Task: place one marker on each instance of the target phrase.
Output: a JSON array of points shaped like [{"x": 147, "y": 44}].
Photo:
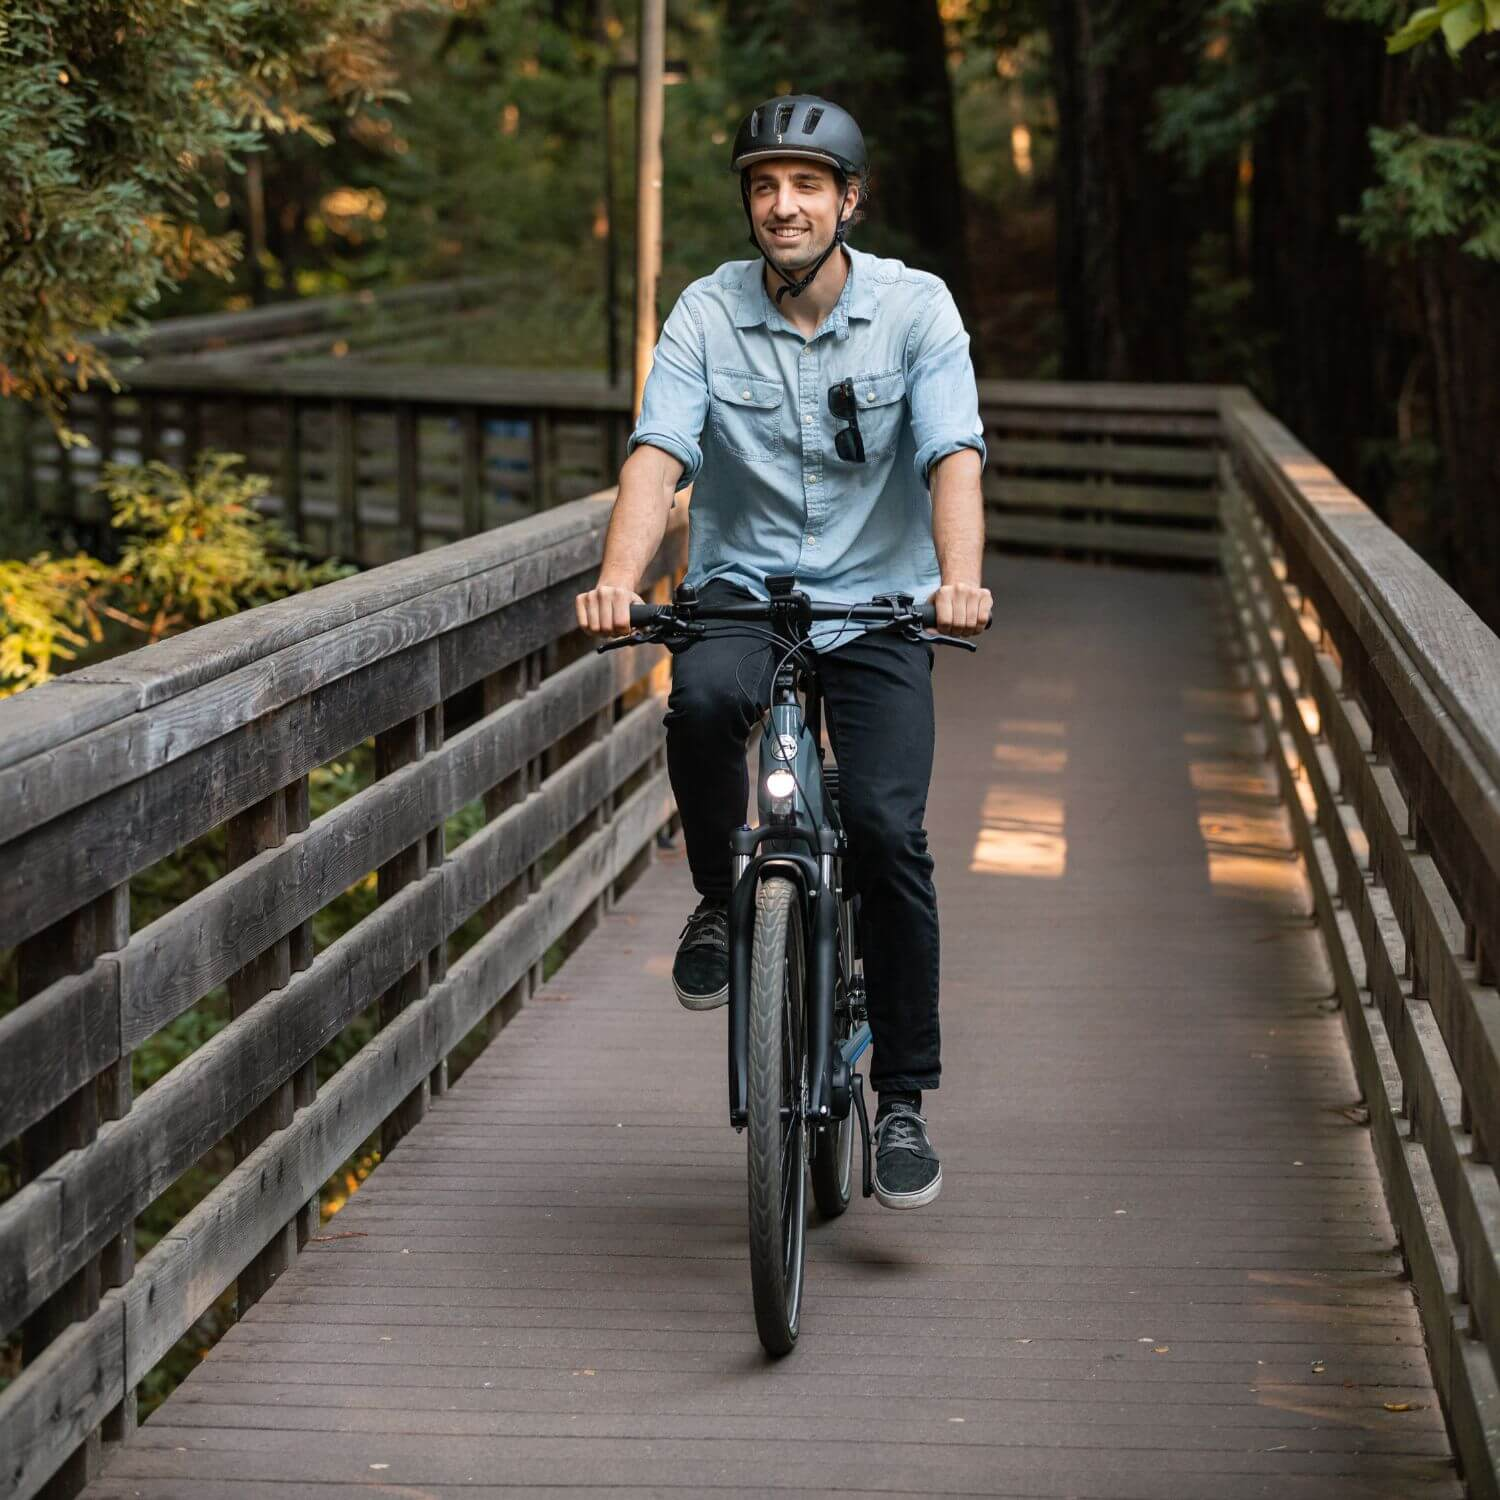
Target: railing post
[
  {"x": 291, "y": 466},
  {"x": 408, "y": 507},
  {"x": 346, "y": 530},
  {"x": 396, "y": 747},
  {"x": 263, "y": 825},
  {"x": 300, "y": 956},
  {"x": 70, "y": 946},
  {"x": 471, "y": 469}
]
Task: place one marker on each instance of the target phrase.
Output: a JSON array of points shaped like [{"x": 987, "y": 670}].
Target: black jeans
[{"x": 877, "y": 700}]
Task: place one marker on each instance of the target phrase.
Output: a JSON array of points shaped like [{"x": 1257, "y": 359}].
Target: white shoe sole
[
  {"x": 701, "y": 1002},
  {"x": 910, "y": 1200}
]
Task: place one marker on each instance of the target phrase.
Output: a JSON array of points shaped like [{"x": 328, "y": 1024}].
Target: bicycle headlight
[{"x": 781, "y": 786}]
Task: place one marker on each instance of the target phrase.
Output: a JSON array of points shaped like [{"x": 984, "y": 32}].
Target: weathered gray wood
[
  {"x": 1101, "y": 396},
  {"x": 1126, "y": 499},
  {"x": 98, "y": 844},
  {"x": 407, "y": 462},
  {"x": 92, "y": 764},
  {"x": 1239, "y": 1224},
  {"x": 1102, "y": 536},
  {"x": 49, "y": 1410},
  {"x": 1404, "y": 1069},
  {"x": 1103, "y": 458},
  {"x": 179, "y": 1279},
  {"x": 182, "y": 955},
  {"x": 56, "y": 1042},
  {"x": 209, "y": 1093}
]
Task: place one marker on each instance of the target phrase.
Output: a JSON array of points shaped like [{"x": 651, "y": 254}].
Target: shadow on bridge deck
[{"x": 1161, "y": 1265}]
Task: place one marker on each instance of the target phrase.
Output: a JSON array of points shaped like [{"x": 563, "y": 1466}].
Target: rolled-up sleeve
[
  {"x": 940, "y": 389},
  {"x": 674, "y": 404}
]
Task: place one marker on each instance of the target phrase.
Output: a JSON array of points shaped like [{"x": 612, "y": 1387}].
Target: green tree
[{"x": 116, "y": 115}]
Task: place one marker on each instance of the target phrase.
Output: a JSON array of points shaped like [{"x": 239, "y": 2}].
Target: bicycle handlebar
[{"x": 644, "y": 616}]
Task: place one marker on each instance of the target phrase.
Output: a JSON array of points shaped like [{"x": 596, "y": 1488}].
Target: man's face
[{"x": 795, "y": 208}]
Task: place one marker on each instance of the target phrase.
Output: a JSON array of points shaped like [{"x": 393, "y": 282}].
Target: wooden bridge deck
[{"x": 1161, "y": 1265}]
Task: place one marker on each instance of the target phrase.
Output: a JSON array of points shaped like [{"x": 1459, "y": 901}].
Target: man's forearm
[
  {"x": 648, "y": 481},
  {"x": 958, "y": 516}
]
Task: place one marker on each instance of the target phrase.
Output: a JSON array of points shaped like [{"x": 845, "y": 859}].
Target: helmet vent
[
  {"x": 754, "y": 122},
  {"x": 783, "y": 118},
  {"x": 810, "y": 124}
]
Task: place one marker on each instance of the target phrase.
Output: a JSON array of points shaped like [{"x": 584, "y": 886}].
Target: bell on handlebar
[{"x": 686, "y": 596}]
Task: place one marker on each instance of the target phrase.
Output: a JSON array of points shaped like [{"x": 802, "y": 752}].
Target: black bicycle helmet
[{"x": 805, "y": 126}]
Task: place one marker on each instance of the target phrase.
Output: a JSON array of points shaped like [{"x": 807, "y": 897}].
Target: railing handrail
[{"x": 1452, "y": 650}]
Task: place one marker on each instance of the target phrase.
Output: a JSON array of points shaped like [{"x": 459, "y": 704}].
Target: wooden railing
[
  {"x": 1380, "y": 690},
  {"x": 463, "y": 669},
  {"x": 373, "y": 461}
]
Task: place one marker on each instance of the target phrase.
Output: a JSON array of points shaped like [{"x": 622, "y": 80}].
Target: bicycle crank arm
[{"x": 857, "y": 1089}]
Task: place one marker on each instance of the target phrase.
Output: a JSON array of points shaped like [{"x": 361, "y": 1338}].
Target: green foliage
[
  {"x": 1436, "y": 186},
  {"x": 195, "y": 549},
  {"x": 45, "y": 611},
  {"x": 115, "y": 115},
  {"x": 1459, "y": 22}
]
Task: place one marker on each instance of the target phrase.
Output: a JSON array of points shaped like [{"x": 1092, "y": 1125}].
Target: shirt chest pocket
[
  {"x": 880, "y": 400},
  {"x": 747, "y": 414}
]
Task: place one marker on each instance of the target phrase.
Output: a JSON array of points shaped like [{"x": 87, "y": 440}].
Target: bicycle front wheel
[{"x": 776, "y": 1130}]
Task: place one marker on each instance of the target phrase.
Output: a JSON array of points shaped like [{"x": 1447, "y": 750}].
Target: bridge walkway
[{"x": 1161, "y": 1267}]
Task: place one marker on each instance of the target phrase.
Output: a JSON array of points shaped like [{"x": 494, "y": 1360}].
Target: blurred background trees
[{"x": 1226, "y": 190}]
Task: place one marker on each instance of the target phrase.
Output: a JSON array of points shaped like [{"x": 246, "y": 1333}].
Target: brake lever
[
  {"x": 949, "y": 640},
  {"x": 616, "y": 642}
]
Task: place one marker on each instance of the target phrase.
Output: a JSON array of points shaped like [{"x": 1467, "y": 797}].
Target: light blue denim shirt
[{"x": 741, "y": 399}]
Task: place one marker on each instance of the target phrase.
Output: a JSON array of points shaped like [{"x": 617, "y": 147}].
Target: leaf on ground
[
  {"x": 1162, "y": 1349},
  {"x": 1403, "y": 1406}
]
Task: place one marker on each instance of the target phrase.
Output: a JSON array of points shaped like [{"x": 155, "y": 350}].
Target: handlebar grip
[
  {"x": 642, "y": 615},
  {"x": 927, "y": 613}
]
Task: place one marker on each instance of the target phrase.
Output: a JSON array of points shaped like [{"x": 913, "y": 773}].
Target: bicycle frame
[{"x": 806, "y": 844}]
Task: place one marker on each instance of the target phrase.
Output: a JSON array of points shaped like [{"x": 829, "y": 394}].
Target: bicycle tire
[
  {"x": 776, "y": 1147},
  {"x": 833, "y": 1148}
]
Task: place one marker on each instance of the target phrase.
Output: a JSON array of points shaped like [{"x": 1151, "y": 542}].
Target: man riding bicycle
[{"x": 822, "y": 403}]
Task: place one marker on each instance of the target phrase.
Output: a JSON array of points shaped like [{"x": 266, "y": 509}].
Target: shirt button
[
  {"x": 812, "y": 541},
  {"x": 812, "y": 478},
  {"x": 869, "y": 395},
  {"x": 807, "y": 421},
  {"x": 806, "y": 350},
  {"x": 745, "y": 394}
]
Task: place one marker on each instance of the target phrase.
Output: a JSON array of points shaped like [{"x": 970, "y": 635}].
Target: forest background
[{"x": 1247, "y": 191}]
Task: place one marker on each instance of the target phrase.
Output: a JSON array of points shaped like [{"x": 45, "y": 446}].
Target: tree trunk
[
  {"x": 1125, "y": 225},
  {"x": 1312, "y": 285},
  {"x": 1461, "y": 311}
]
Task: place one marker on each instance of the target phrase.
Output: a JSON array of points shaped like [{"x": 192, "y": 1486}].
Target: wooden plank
[
  {"x": 1435, "y": 658},
  {"x": 1124, "y": 499},
  {"x": 1101, "y": 395},
  {"x": 91, "y": 847},
  {"x": 1104, "y": 458},
  {"x": 55, "y": 1042},
  {"x": 92, "y": 765},
  {"x": 362, "y": 385},
  {"x": 1468, "y": 1387},
  {"x": 205, "y": 1096},
  {"x": 50, "y": 1408},
  {"x": 185, "y": 953},
  {"x": 1013, "y": 419},
  {"x": 179, "y": 1278},
  {"x": 291, "y": 466},
  {"x": 1102, "y": 536}
]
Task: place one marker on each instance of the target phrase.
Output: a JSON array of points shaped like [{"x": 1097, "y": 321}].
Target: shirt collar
[{"x": 856, "y": 301}]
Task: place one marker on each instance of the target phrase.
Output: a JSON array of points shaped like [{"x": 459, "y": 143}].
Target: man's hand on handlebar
[
  {"x": 605, "y": 609},
  {"x": 963, "y": 609}
]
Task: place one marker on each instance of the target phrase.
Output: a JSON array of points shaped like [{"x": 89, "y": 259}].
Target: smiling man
[{"x": 822, "y": 403}]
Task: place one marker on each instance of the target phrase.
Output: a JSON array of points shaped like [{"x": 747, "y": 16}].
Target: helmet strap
[{"x": 796, "y": 287}]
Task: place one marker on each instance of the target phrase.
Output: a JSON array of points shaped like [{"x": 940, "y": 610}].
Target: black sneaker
[
  {"x": 907, "y": 1173},
  {"x": 700, "y": 973}
]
